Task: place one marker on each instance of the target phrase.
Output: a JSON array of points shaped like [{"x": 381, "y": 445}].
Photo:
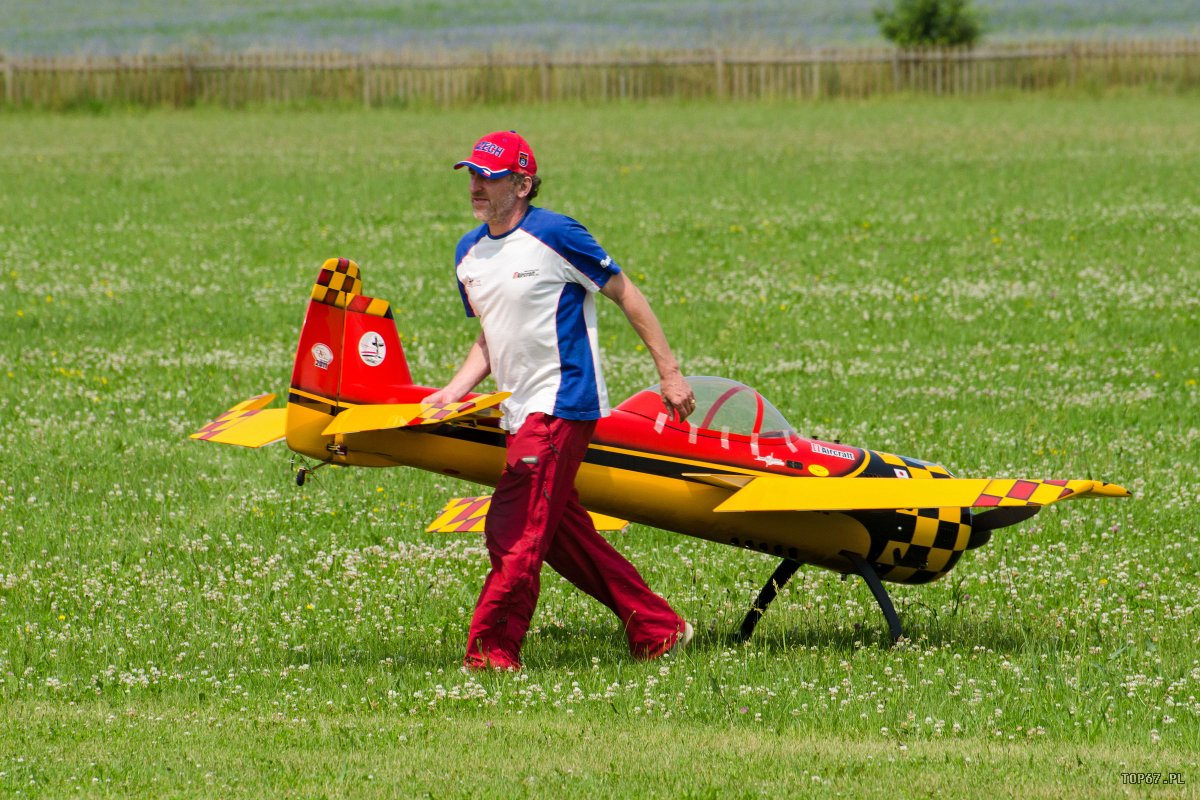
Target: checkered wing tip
[
  {"x": 248, "y": 424},
  {"x": 468, "y": 514}
]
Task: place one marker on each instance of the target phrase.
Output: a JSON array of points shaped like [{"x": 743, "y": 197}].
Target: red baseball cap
[{"x": 500, "y": 153}]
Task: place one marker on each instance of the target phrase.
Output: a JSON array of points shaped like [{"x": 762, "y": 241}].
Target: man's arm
[
  {"x": 676, "y": 394},
  {"x": 474, "y": 369}
]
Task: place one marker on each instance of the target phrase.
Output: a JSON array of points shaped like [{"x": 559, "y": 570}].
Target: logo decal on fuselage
[
  {"x": 372, "y": 349},
  {"x": 829, "y": 451},
  {"x": 322, "y": 355}
]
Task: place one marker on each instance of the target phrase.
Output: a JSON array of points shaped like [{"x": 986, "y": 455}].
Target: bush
[{"x": 942, "y": 23}]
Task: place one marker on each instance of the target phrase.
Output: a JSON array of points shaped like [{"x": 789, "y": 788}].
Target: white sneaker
[{"x": 684, "y": 639}]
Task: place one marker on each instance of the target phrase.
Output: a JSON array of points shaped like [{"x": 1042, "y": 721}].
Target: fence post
[
  {"x": 189, "y": 83},
  {"x": 365, "y": 69},
  {"x": 10, "y": 75},
  {"x": 719, "y": 72}
]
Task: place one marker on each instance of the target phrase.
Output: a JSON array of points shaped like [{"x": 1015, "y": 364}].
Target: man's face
[{"x": 493, "y": 200}]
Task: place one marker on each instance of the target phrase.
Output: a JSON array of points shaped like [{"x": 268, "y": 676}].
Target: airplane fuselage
[{"x": 670, "y": 475}]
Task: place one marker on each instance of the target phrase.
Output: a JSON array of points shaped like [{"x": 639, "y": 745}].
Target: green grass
[{"x": 1006, "y": 286}]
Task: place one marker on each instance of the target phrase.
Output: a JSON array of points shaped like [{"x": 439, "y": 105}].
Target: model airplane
[{"x": 734, "y": 473}]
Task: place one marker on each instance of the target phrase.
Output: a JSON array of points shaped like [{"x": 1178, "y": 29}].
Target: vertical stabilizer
[
  {"x": 318, "y": 366},
  {"x": 349, "y": 354},
  {"x": 374, "y": 369}
]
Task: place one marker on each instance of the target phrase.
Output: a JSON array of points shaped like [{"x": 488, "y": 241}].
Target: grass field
[
  {"x": 1007, "y": 286},
  {"x": 137, "y": 26}
]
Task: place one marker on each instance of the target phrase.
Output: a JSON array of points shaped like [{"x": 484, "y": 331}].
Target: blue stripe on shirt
[
  {"x": 460, "y": 252},
  {"x": 577, "y": 395}
]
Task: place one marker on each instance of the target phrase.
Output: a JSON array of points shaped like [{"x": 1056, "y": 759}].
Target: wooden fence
[{"x": 396, "y": 79}]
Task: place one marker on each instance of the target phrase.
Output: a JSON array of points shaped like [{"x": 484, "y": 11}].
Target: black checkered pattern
[
  {"x": 917, "y": 545},
  {"x": 338, "y": 283}
]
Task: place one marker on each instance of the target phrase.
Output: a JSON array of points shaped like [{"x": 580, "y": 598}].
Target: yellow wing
[
  {"x": 248, "y": 424},
  {"x": 772, "y": 493},
  {"x": 386, "y": 416},
  {"x": 466, "y": 515}
]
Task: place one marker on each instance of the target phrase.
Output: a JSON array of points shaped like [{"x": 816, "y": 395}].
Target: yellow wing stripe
[
  {"x": 402, "y": 415},
  {"x": 468, "y": 515},
  {"x": 780, "y": 493}
]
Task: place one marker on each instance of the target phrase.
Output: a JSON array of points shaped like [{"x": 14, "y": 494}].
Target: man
[{"x": 529, "y": 274}]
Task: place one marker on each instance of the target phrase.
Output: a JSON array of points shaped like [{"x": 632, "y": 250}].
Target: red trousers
[{"x": 535, "y": 517}]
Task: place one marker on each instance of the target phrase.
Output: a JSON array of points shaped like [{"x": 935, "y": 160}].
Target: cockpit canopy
[{"x": 721, "y": 405}]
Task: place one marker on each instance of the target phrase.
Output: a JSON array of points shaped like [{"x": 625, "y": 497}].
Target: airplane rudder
[
  {"x": 374, "y": 369},
  {"x": 349, "y": 347},
  {"x": 317, "y": 371},
  {"x": 317, "y": 368}
]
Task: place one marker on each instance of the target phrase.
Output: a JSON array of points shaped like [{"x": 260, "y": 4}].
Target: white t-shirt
[{"x": 532, "y": 289}]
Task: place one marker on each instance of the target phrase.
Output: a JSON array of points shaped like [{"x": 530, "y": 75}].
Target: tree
[{"x": 941, "y": 23}]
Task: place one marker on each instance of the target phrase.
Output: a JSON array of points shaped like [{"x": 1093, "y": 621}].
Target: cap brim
[{"x": 482, "y": 170}]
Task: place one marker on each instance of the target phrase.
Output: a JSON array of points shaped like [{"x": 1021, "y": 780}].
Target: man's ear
[{"x": 525, "y": 187}]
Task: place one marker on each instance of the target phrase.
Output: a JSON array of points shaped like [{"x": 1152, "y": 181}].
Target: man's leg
[
  {"x": 586, "y": 559},
  {"x": 539, "y": 477}
]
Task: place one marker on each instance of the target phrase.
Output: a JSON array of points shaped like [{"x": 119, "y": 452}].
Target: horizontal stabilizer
[
  {"x": 388, "y": 416},
  {"x": 781, "y": 493},
  {"x": 248, "y": 424},
  {"x": 467, "y": 514}
]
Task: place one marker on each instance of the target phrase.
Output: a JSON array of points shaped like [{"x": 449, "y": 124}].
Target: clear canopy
[{"x": 723, "y": 404}]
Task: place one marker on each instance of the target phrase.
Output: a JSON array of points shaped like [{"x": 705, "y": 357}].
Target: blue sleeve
[
  {"x": 465, "y": 301},
  {"x": 575, "y": 244},
  {"x": 460, "y": 252}
]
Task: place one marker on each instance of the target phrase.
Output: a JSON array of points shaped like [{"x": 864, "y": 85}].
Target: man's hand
[
  {"x": 677, "y": 397},
  {"x": 441, "y": 397},
  {"x": 475, "y": 368}
]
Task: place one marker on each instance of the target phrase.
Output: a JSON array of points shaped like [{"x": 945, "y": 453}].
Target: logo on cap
[
  {"x": 499, "y": 153},
  {"x": 491, "y": 149}
]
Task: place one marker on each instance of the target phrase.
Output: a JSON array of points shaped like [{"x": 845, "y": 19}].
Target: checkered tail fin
[{"x": 349, "y": 351}]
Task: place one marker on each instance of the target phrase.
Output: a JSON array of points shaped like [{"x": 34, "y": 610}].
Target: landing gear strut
[
  {"x": 881, "y": 596},
  {"x": 783, "y": 573},
  {"x": 303, "y": 473},
  {"x": 779, "y": 578}
]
